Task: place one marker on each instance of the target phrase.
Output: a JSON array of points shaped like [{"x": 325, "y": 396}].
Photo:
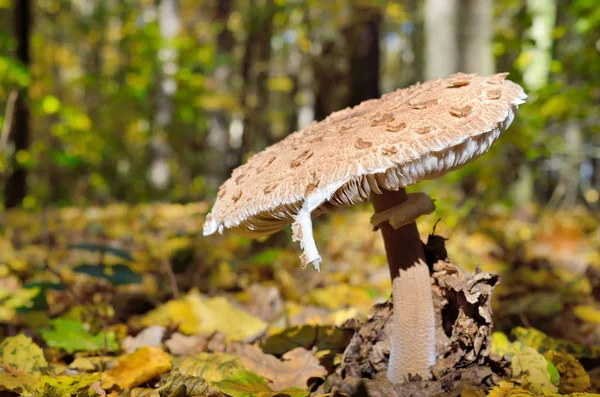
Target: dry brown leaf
[
  {"x": 573, "y": 377},
  {"x": 151, "y": 336},
  {"x": 294, "y": 369},
  {"x": 183, "y": 345}
]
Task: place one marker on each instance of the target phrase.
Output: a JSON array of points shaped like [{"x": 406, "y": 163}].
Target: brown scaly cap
[{"x": 421, "y": 132}]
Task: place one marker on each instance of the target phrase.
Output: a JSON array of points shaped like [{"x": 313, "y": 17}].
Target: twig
[
  {"x": 8, "y": 116},
  {"x": 172, "y": 278}
]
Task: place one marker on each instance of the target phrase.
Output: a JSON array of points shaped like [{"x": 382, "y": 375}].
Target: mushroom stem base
[
  {"x": 413, "y": 325},
  {"x": 413, "y": 331}
]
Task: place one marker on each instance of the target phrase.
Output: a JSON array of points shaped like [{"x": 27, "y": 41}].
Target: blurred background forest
[
  {"x": 142, "y": 100},
  {"x": 114, "y": 112}
]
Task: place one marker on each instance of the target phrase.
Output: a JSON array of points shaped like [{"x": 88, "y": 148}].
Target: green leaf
[
  {"x": 50, "y": 104},
  {"x": 553, "y": 371},
  {"x": 103, "y": 249},
  {"x": 21, "y": 353},
  {"x": 116, "y": 274},
  {"x": 71, "y": 336},
  {"x": 248, "y": 384}
]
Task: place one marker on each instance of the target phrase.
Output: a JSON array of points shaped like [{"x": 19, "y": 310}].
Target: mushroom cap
[{"x": 420, "y": 132}]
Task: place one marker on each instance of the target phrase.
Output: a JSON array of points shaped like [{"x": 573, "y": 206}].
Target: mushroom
[{"x": 372, "y": 152}]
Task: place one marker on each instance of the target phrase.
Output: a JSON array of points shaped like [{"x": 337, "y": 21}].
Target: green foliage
[
  {"x": 71, "y": 336},
  {"x": 95, "y": 82},
  {"x": 116, "y": 274},
  {"x": 247, "y": 384}
]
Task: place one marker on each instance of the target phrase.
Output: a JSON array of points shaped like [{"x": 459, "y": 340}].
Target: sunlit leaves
[
  {"x": 136, "y": 368},
  {"x": 71, "y": 336},
  {"x": 22, "y": 354},
  {"x": 50, "y": 104}
]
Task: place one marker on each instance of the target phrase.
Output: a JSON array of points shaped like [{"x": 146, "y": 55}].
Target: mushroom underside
[{"x": 357, "y": 189}]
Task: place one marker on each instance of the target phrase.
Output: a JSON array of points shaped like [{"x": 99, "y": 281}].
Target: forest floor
[{"x": 133, "y": 300}]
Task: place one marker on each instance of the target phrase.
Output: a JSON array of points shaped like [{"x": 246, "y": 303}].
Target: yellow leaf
[
  {"x": 502, "y": 346},
  {"x": 22, "y": 354},
  {"x": 534, "y": 367},
  {"x": 136, "y": 368},
  {"x": 341, "y": 295},
  {"x": 176, "y": 311},
  {"x": 214, "y": 367},
  {"x": 10, "y": 301},
  {"x": 16, "y": 383},
  {"x": 573, "y": 377},
  {"x": 218, "y": 314},
  {"x": 91, "y": 364},
  {"x": 63, "y": 385},
  {"x": 587, "y": 313},
  {"x": 542, "y": 343},
  {"x": 509, "y": 389}
]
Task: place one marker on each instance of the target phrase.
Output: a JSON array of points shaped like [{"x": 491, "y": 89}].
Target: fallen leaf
[
  {"x": 151, "y": 336},
  {"x": 91, "y": 364},
  {"x": 177, "y": 311},
  {"x": 22, "y": 354},
  {"x": 573, "y": 377},
  {"x": 308, "y": 336},
  {"x": 543, "y": 343},
  {"x": 587, "y": 313},
  {"x": 64, "y": 385},
  {"x": 264, "y": 302},
  {"x": 509, "y": 389},
  {"x": 248, "y": 384},
  {"x": 175, "y": 383},
  {"x": 294, "y": 369},
  {"x": 10, "y": 301},
  {"x": 196, "y": 314},
  {"x": 218, "y": 314},
  {"x": 71, "y": 336},
  {"x": 501, "y": 346},
  {"x": 213, "y": 367},
  {"x": 341, "y": 295},
  {"x": 181, "y": 345},
  {"x": 136, "y": 368},
  {"x": 534, "y": 368},
  {"x": 16, "y": 383}
]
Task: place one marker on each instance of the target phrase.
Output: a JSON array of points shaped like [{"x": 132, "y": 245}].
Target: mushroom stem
[{"x": 413, "y": 329}]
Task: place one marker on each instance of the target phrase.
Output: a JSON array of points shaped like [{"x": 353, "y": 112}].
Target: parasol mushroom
[{"x": 372, "y": 152}]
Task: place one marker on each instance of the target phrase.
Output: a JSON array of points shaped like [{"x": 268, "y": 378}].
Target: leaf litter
[{"x": 102, "y": 317}]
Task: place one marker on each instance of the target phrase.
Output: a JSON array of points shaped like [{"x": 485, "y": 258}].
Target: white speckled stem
[{"x": 413, "y": 328}]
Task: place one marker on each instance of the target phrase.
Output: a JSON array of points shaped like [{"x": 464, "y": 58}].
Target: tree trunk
[
  {"x": 416, "y": 72},
  {"x": 363, "y": 40},
  {"x": 540, "y": 42},
  {"x": 169, "y": 24},
  {"x": 255, "y": 73},
  {"x": 458, "y": 37},
  {"x": 441, "y": 38},
  {"x": 16, "y": 187},
  {"x": 220, "y": 159},
  {"x": 476, "y": 29}
]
